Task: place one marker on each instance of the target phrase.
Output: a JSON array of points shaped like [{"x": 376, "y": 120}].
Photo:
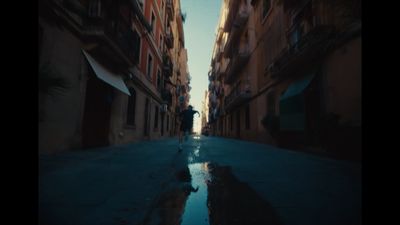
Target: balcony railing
[
  {"x": 239, "y": 94},
  {"x": 119, "y": 44},
  {"x": 222, "y": 70},
  {"x": 233, "y": 7},
  {"x": 166, "y": 96},
  {"x": 220, "y": 52},
  {"x": 303, "y": 49},
  {"x": 220, "y": 33},
  {"x": 211, "y": 76},
  {"x": 236, "y": 31},
  {"x": 121, "y": 40},
  {"x": 167, "y": 65},
  {"x": 236, "y": 64},
  {"x": 216, "y": 68}
]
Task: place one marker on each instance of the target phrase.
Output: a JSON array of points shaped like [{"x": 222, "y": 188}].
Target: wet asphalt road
[{"x": 120, "y": 184}]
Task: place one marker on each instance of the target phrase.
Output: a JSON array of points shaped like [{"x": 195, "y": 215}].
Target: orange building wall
[{"x": 146, "y": 39}]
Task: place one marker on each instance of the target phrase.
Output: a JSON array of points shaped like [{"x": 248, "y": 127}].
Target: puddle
[
  {"x": 206, "y": 193},
  {"x": 196, "y": 210}
]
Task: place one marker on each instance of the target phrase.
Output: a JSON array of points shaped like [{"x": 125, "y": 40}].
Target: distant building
[
  {"x": 204, "y": 111},
  {"x": 289, "y": 73},
  {"x": 118, "y": 62}
]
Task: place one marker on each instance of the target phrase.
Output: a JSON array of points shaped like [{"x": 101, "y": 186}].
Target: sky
[{"x": 199, "y": 30}]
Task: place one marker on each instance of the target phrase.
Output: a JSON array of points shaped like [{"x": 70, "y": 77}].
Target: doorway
[
  {"x": 313, "y": 109},
  {"x": 97, "y": 112},
  {"x": 146, "y": 118},
  {"x": 162, "y": 123}
]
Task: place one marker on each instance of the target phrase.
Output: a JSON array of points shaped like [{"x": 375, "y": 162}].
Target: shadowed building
[
  {"x": 107, "y": 71},
  {"x": 290, "y": 72}
]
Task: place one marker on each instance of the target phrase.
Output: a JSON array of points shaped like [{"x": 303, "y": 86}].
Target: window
[
  {"x": 161, "y": 43},
  {"x": 153, "y": 23},
  {"x": 131, "y": 107},
  {"x": 149, "y": 65},
  {"x": 136, "y": 46},
  {"x": 247, "y": 122},
  {"x": 156, "y": 118},
  {"x": 159, "y": 80},
  {"x": 266, "y": 7}
]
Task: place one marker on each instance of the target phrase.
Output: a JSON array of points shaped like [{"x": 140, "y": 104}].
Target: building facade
[
  {"x": 292, "y": 75},
  {"x": 204, "y": 113},
  {"x": 107, "y": 71}
]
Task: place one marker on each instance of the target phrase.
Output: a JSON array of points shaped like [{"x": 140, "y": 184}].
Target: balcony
[
  {"x": 236, "y": 64},
  {"x": 167, "y": 65},
  {"x": 170, "y": 10},
  {"x": 183, "y": 89},
  {"x": 211, "y": 76},
  {"x": 239, "y": 94},
  {"x": 294, "y": 4},
  {"x": 166, "y": 96},
  {"x": 220, "y": 33},
  {"x": 236, "y": 31},
  {"x": 233, "y": 7},
  {"x": 117, "y": 43},
  {"x": 220, "y": 52},
  {"x": 102, "y": 24},
  {"x": 216, "y": 69},
  {"x": 304, "y": 49},
  {"x": 222, "y": 70}
]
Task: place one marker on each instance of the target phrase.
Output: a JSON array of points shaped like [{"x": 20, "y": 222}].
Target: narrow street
[
  {"x": 148, "y": 183},
  {"x": 273, "y": 87}
]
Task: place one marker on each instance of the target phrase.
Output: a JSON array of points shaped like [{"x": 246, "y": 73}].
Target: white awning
[{"x": 107, "y": 76}]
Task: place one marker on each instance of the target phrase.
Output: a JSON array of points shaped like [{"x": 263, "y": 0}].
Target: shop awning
[
  {"x": 297, "y": 87},
  {"x": 107, "y": 76},
  {"x": 291, "y": 105}
]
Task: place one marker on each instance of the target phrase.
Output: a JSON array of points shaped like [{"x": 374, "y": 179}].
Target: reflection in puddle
[
  {"x": 209, "y": 194},
  {"x": 196, "y": 210},
  {"x": 195, "y": 154}
]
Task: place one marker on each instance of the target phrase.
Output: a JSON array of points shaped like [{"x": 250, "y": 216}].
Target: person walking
[{"x": 186, "y": 118}]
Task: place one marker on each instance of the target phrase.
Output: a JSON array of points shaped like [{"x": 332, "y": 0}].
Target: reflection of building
[
  {"x": 290, "y": 72},
  {"x": 118, "y": 61},
  {"x": 204, "y": 111}
]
